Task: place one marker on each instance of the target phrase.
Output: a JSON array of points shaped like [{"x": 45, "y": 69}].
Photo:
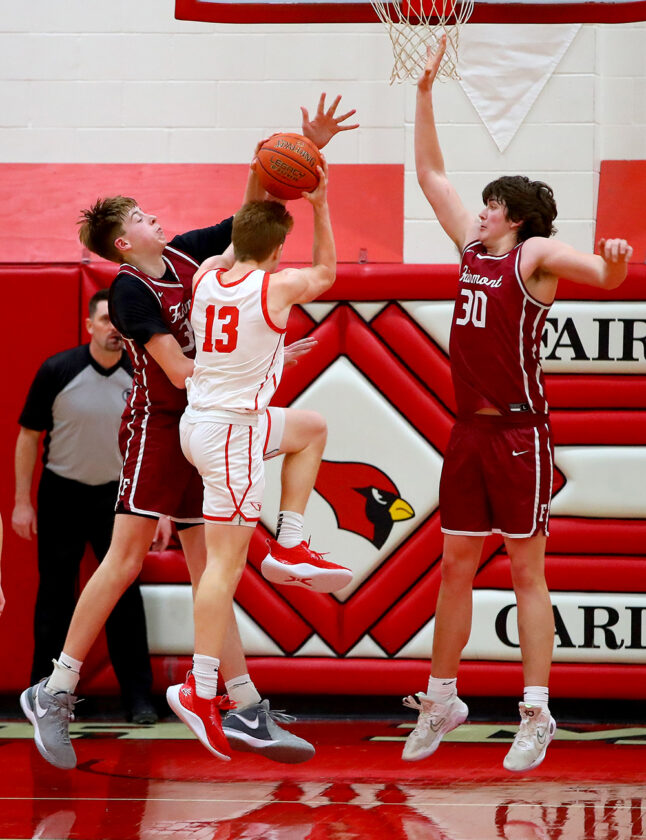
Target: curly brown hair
[{"x": 529, "y": 202}]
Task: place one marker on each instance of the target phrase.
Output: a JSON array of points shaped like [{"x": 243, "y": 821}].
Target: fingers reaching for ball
[{"x": 318, "y": 195}]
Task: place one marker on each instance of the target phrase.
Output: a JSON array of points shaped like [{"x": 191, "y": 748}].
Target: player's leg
[
  {"x": 440, "y": 709},
  {"x": 466, "y": 521},
  {"x": 251, "y": 726},
  {"x": 520, "y": 505},
  {"x": 195, "y": 702},
  {"x": 536, "y": 637},
  {"x": 60, "y": 551},
  {"x": 301, "y": 436},
  {"x": 125, "y": 628},
  {"x": 49, "y": 704}
]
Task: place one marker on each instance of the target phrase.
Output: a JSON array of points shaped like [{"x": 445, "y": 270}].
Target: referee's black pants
[{"x": 71, "y": 515}]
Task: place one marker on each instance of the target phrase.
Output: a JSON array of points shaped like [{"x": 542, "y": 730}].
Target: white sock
[
  {"x": 205, "y": 672},
  {"x": 441, "y": 690},
  {"x": 65, "y": 675},
  {"x": 242, "y": 691},
  {"x": 289, "y": 530},
  {"x": 536, "y": 695}
]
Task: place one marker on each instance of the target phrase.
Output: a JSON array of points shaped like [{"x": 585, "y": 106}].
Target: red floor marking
[{"x": 353, "y": 788}]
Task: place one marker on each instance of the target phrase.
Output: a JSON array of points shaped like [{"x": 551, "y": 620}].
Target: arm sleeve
[
  {"x": 134, "y": 310},
  {"x": 37, "y": 411},
  {"x": 205, "y": 242}
]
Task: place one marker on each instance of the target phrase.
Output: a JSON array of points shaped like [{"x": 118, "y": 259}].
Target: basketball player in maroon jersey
[
  {"x": 497, "y": 474},
  {"x": 150, "y": 303}
]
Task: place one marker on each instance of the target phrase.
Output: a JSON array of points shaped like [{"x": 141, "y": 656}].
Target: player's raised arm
[
  {"x": 301, "y": 285},
  {"x": 429, "y": 161},
  {"x": 606, "y": 270},
  {"x": 325, "y": 124}
]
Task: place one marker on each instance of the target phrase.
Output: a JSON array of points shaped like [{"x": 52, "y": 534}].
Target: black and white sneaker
[{"x": 255, "y": 729}]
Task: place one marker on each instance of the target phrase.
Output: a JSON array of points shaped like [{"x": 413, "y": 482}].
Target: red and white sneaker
[
  {"x": 200, "y": 715},
  {"x": 301, "y": 566}
]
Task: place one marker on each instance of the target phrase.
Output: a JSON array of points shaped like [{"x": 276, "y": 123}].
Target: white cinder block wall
[{"x": 123, "y": 81}]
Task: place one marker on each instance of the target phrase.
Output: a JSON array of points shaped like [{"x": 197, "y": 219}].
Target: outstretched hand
[
  {"x": 615, "y": 250},
  {"x": 325, "y": 125},
  {"x": 433, "y": 61},
  {"x": 298, "y": 348}
]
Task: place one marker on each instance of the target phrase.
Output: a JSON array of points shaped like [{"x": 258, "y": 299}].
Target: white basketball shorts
[{"x": 229, "y": 457}]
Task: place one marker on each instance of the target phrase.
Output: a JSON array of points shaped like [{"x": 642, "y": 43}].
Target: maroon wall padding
[{"x": 48, "y": 306}]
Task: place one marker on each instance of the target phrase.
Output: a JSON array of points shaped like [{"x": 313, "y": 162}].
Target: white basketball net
[{"x": 414, "y": 25}]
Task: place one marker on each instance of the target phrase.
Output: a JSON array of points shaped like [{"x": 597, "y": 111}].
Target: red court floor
[{"x": 158, "y": 782}]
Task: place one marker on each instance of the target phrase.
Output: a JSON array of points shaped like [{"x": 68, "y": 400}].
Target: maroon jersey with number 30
[
  {"x": 151, "y": 386},
  {"x": 495, "y": 337}
]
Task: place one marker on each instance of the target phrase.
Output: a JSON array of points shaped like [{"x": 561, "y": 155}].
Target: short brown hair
[
  {"x": 103, "y": 223},
  {"x": 97, "y": 297},
  {"x": 529, "y": 202},
  {"x": 258, "y": 228}
]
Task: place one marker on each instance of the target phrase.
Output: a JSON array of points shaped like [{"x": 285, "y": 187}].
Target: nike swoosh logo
[
  {"x": 305, "y": 581},
  {"x": 522, "y": 452},
  {"x": 437, "y": 725},
  {"x": 39, "y": 709},
  {"x": 540, "y": 736},
  {"x": 252, "y": 724}
]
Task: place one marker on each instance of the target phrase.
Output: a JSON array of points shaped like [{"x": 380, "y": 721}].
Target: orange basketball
[{"x": 286, "y": 165}]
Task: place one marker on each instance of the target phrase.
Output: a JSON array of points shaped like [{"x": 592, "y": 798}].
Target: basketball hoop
[{"x": 414, "y": 25}]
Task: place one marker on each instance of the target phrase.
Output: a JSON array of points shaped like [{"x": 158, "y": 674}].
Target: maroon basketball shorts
[
  {"x": 497, "y": 477},
  {"x": 156, "y": 478}
]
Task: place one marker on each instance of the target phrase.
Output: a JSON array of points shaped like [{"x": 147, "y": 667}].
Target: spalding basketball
[{"x": 286, "y": 165}]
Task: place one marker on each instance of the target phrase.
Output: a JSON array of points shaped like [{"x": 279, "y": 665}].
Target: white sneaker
[
  {"x": 537, "y": 728},
  {"x": 434, "y": 721}
]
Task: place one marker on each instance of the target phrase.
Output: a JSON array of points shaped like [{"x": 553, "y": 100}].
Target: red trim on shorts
[
  {"x": 268, "y": 435},
  {"x": 228, "y": 519},
  {"x": 265, "y": 310},
  {"x": 237, "y": 507}
]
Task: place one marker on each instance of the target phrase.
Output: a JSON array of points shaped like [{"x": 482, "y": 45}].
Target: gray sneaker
[
  {"x": 255, "y": 729},
  {"x": 434, "y": 721},
  {"x": 50, "y": 715}
]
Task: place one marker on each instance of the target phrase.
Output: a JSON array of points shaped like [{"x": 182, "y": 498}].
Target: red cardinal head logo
[{"x": 364, "y": 499}]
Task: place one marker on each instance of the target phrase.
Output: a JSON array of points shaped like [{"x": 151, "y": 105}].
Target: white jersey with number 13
[{"x": 239, "y": 351}]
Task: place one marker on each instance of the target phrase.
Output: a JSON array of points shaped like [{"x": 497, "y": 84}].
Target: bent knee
[{"x": 317, "y": 426}]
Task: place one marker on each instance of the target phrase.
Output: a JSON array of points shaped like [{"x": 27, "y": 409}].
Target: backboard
[{"x": 361, "y": 11}]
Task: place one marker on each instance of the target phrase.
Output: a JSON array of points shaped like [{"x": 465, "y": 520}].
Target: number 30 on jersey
[
  {"x": 474, "y": 307},
  {"x": 227, "y": 320}
]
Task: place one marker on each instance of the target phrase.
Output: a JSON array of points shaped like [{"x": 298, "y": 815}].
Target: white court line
[{"x": 417, "y": 803}]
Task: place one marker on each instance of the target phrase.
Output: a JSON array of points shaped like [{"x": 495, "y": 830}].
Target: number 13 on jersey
[{"x": 227, "y": 320}]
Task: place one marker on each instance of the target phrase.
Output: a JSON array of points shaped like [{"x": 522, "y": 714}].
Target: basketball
[{"x": 286, "y": 165}]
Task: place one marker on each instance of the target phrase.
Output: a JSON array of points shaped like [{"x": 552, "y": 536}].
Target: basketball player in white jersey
[
  {"x": 497, "y": 474},
  {"x": 239, "y": 318}
]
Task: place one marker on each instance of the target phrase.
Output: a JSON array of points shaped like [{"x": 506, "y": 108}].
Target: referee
[{"x": 77, "y": 399}]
